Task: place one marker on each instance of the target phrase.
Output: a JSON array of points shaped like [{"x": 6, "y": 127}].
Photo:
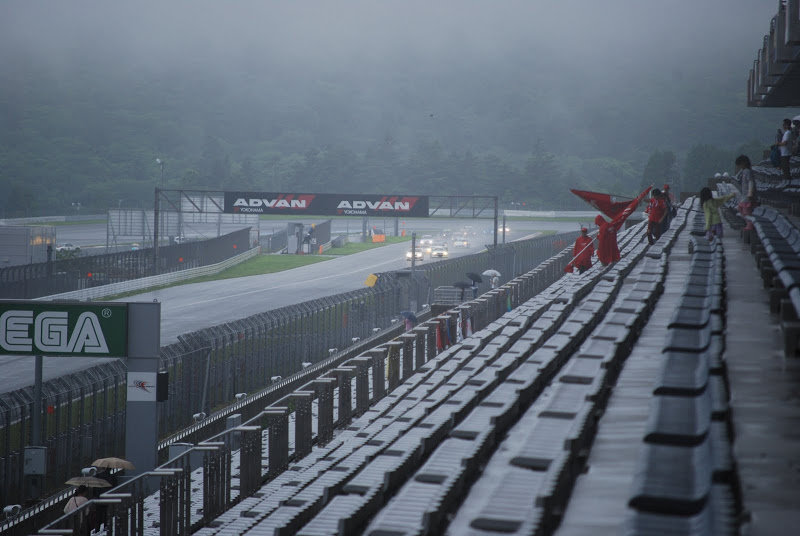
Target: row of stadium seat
[{"x": 686, "y": 479}]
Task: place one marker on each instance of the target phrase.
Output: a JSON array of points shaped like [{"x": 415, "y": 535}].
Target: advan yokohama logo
[
  {"x": 387, "y": 204},
  {"x": 255, "y": 205},
  {"x": 51, "y": 333}
]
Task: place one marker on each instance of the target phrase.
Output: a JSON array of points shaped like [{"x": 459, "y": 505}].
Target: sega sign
[
  {"x": 45, "y": 328},
  {"x": 408, "y": 206}
]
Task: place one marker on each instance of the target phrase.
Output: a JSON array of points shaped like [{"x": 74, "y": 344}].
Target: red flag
[
  {"x": 608, "y": 204},
  {"x": 620, "y": 218}
]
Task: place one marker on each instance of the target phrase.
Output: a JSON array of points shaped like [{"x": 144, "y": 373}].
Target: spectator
[
  {"x": 607, "y": 248},
  {"x": 710, "y": 205},
  {"x": 744, "y": 171},
  {"x": 785, "y": 146},
  {"x": 656, "y": 214},
  {"x": 671, "y": 210},
  {"x": 796, "y": 136},
  {"x": 80, "y": 523},
  {"x": 582, "y": 251}
]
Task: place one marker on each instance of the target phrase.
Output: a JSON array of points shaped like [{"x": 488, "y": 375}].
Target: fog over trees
[{"x": 521, "y": 99}]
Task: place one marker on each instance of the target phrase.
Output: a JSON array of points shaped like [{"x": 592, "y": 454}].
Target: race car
[
  {"x": 461, "y": 243},
  {"x": 438, "y": 251},
  {"x": 417, "y": 253}
]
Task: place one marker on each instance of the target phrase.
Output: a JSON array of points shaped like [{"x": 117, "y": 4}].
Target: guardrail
[{"x": 154, "y": 280}]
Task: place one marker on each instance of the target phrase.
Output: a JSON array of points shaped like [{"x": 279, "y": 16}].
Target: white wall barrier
[{"x": 153, "y": 281}]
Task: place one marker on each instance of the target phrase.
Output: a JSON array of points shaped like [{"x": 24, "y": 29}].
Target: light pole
[{"x": 161, "y": 165}]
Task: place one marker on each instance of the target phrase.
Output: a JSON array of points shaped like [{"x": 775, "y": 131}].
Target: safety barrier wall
[
  {"x": 57, "y": 277},
  {"x": 208, "y": 368},
  {"x": 52, "y": 219}
]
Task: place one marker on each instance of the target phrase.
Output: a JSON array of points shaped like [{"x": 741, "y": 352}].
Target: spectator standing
[
  {"x": 607, "y": 248},
  {"x": 81, "y": 523},
  {"x": 744, "y": 171},
  {"x": 785, "y": 147},
  {"x": 656, "y": 214},
  {"x": 710, "y": 205},
  {"x": 671, "y": 210}
]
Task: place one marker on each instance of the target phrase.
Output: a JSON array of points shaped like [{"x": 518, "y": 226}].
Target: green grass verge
[
  {"x": 358, "y": 247},
  {"x": 262, "y": 264}
]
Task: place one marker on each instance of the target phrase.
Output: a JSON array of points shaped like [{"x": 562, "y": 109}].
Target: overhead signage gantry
[{"x": 293, "y": 204}]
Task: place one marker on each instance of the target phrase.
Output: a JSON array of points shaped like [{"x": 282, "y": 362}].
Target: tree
[
  {"x": 701, "y": 163},
  {"x": 661, "y": 168}
]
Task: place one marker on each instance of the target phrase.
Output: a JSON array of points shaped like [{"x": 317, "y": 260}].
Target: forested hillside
[{"x": 84, "y": 118}]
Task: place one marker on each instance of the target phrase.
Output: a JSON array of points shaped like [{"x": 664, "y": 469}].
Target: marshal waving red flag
[{"x": 608, "y": 204}]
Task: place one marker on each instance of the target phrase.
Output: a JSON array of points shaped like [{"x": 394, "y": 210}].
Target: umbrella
[
  {"x": 113, "y": 463},
  {"x": 409, "y": 315},
  {"x": 491, "y": 273},
  {"x": 796, "y": 118},
  {"x": 88, "y": 481},
  {"x": 475, "y": 277}
]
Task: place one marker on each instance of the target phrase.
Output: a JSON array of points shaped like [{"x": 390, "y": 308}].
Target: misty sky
[
  {"x": 563, "y": 57},
  {"x": 346, "y": 34}
]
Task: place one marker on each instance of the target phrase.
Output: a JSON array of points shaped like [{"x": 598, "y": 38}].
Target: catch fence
[
  {"x": 210, "y": 367},
  {"x": 56, "y": 277}
]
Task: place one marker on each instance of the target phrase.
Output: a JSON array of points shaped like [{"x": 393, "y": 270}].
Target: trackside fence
[
  {"x": 210, "y": 367},
  {"x": 30, "y": 281}
]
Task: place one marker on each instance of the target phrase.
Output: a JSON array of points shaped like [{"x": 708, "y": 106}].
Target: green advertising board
[{"x": 64, "y": 329}]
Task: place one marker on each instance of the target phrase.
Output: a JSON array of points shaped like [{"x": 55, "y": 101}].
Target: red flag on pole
[{"x": 608, "y": 204}]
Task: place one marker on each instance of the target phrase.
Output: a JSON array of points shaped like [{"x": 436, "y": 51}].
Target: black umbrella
[
  {"x": 475, "y": 277},
  {"x": 409, "y": 315}
]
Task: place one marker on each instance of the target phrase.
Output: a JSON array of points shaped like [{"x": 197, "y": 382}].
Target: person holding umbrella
[
  {"x": 475, "y": 278},
  {"x": 495, "y": 277},
  {"x": 410, "y": 319},
  {"x": 80, "y": 524}
]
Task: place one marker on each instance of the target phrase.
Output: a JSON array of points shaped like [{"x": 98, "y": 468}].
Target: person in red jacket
[
  {"x": 582, "y": 251},
  {"x": 656, "y": 213},
  {"x": 607, "y": 248}
]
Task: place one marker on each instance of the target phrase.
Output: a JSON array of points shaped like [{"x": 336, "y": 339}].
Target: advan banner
[{"x": 292, "y": 204}]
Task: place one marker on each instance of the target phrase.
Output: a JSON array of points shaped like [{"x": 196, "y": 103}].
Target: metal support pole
[
  {"x": 504, "y": 228},
  {"x": 495, "y": 220},
  {"x": 413, "y": 253},
  {"x": 397, "y": 227},
  {"x": 155, "y": 233},
  {"x": 36, "y": 421},
  {"x": 364, "y": 222}
]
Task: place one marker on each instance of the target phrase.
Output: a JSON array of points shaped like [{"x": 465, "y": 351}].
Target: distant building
[{"x": 25, "y": 244}]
